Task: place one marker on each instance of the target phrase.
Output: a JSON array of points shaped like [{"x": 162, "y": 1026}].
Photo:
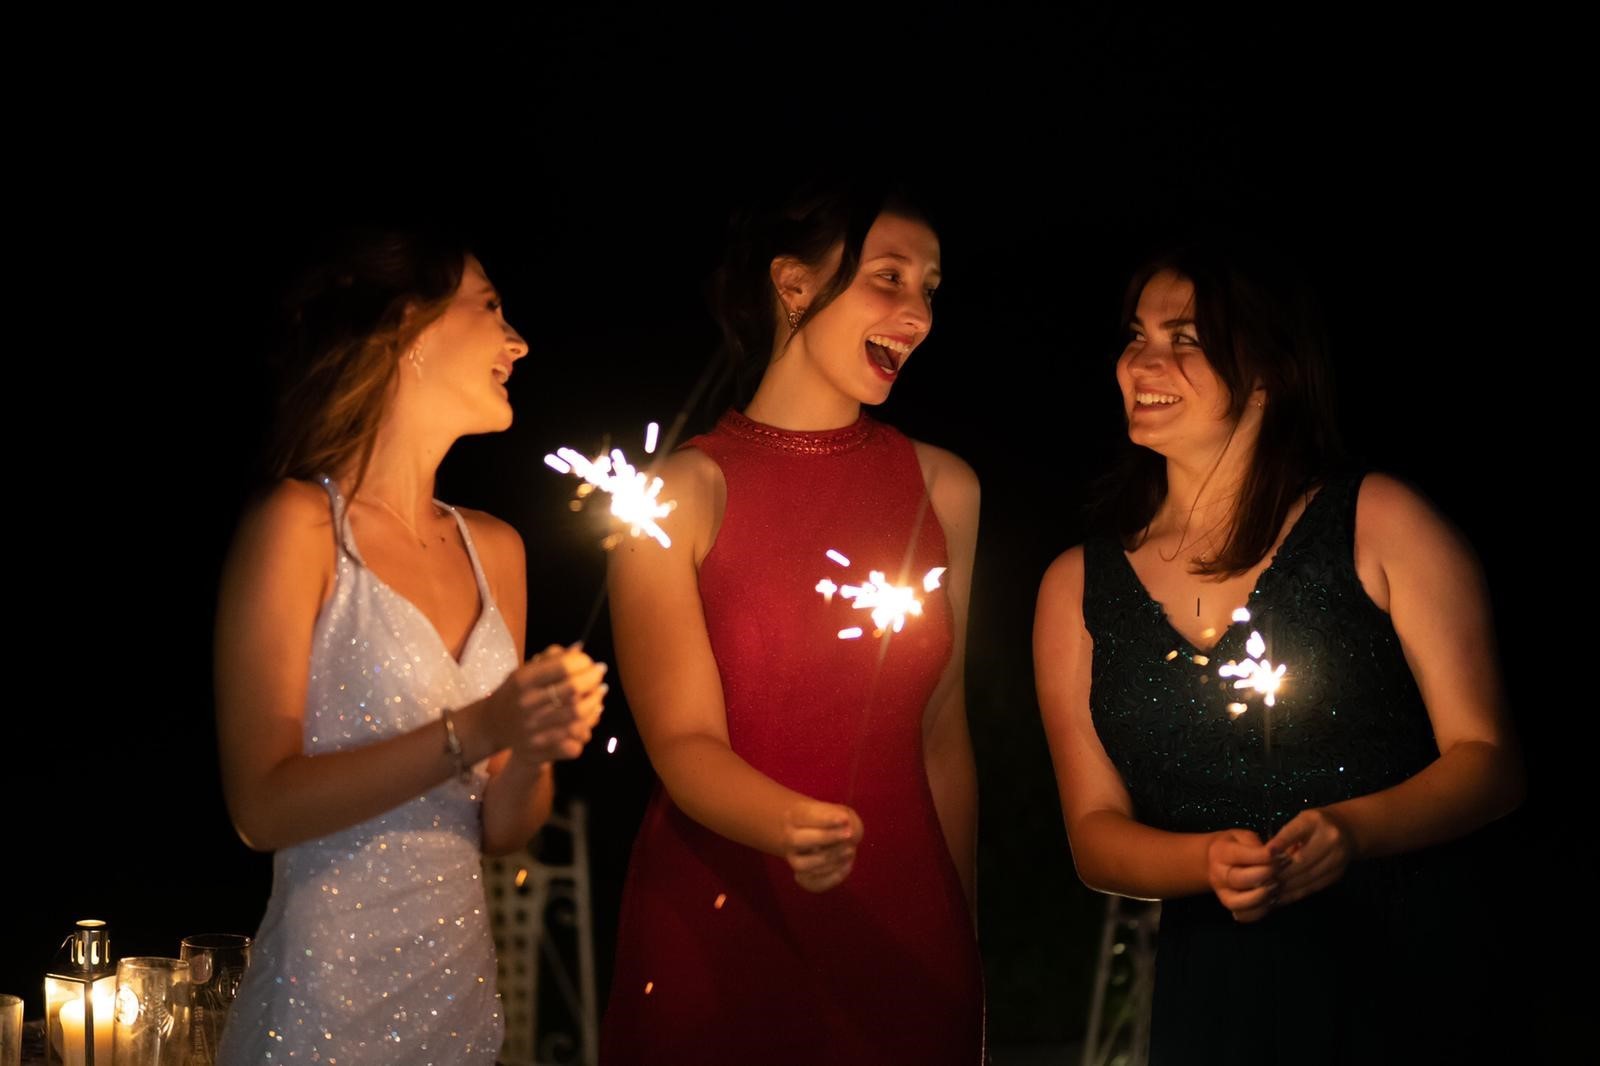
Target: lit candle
[{"x": 72, "y": 1028}]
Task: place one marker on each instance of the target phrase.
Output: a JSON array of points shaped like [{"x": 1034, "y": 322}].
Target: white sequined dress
[{"x": 376, "y": 946}]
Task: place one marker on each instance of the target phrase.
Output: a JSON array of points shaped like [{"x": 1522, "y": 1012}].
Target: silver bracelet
[{"x": 452, "y": 746}]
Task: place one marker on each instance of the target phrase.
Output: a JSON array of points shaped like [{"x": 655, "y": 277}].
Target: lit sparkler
[
  {"x": 635, "y": 495},
  {"x": 1256, "y": 672},
  {"x": 890, "y": 604}
]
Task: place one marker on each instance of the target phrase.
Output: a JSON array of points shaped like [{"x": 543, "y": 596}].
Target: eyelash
[
  {"x": 894, "y": 277},
  {"x": 1177, "y": 338},
  {"x": 495, "y": 304}
]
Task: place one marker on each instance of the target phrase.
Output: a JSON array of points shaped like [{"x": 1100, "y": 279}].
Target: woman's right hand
[
  {"x": 820, "y": 843},
  {"x": 1243, "y": 873},
  {"x": 547, "y": 708}
]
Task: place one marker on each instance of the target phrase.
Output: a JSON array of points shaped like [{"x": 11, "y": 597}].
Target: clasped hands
[
  {"x": 1307, "y": 855},
  {"x": 548, "y": 707}
]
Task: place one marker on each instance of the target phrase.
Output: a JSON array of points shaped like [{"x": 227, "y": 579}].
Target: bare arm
[
  {"x": 1114, "y": 852},
  {"x": 1420, "y": 570},
  {"x": 946, "y": 739},
  {"x": 273, "y": 586},
  {"x": 666, "y": 663}
]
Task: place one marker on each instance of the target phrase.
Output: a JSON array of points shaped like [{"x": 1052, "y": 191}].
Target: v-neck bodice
[
  {"x": 1232, "y": 637},
  {"x": 1196, "y": 753},
  {"x": 378, "y": 665}
]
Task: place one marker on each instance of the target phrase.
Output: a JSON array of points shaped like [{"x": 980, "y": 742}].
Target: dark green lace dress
[{"x": 1333, "y": 978}]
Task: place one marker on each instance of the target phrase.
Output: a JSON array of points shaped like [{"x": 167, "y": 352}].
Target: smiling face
[
  {"x": 1173, "y": 398},
  {"x": 466, "y": 355},
  {"x": 861, "y": 340}
]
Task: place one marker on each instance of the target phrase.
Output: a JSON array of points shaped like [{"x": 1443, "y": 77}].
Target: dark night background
[{"x": 595, "y": 158}]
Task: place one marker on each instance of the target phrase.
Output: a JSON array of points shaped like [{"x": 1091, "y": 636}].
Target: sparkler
[
  {"x": 635, "y": 495},
  {"x": 1256, "y": 673},
  {"x": 890, "y": 604}
]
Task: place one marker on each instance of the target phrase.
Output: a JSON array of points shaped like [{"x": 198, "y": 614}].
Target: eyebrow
[{"x": 1171, "y": 323}]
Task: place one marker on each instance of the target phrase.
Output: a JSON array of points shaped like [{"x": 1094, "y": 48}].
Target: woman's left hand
[{"x": 1317, "y": 846}]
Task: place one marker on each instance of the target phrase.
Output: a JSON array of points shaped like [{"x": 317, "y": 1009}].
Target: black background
[{"x": 1416, "y": 171}]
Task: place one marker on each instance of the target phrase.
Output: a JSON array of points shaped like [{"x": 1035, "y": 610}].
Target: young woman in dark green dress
[{"x": 1296, "y": 847}]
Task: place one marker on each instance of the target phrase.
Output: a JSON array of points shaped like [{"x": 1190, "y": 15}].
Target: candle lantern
[{"x": 80, "y": 999}]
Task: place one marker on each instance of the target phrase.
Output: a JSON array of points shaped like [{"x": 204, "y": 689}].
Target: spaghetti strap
[
  {"x": 484, "y": 595},
  {"x": 342, "y": 538}
]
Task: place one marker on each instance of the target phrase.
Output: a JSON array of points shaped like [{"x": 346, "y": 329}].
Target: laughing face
[
  {"x": 860, "y": 342},
  {"x": 1173, "y": 398},
  {"x": 469, "y": 352}
]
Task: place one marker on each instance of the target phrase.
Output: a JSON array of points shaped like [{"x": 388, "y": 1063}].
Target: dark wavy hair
[
  {"x": 1257, "y": 321},
  {"x": 805, "y": 224},
  {"x": 349, "y": 319}
]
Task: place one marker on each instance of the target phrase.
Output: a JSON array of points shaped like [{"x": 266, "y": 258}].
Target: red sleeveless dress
[{"x": 721, "y": 957}]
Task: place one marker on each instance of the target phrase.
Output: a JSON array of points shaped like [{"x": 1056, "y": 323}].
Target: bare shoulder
[
  {"x": 690, "y": 472},
  {"x": 1394, "y": 518},
  {"x": 946, "y": 473},
  {"x": 285, "y": 543},
  {"x": 498, "y": 543},
  {"x": 1062, "y": 585},
  {"x": 293, "y": 516}
]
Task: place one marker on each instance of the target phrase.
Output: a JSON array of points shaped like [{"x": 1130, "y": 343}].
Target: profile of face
[
  {"x": 1173, "y": 399},
  {"x": 464, "y": 358},
  {"x": 860, "y": 342}
]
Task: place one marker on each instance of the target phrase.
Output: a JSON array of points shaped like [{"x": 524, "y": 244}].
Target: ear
[
  {"x": 794, "y": 281},
  {"x": 408, "y": 323}
]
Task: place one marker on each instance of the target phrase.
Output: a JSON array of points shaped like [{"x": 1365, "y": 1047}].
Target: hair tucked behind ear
[{"x": 806, "y": 225}]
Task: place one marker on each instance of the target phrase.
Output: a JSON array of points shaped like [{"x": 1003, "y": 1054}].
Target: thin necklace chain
[{"x": 381, "y": 502}]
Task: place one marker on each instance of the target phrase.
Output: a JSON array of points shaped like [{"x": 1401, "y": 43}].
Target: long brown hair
[
  {"x": 349, "y": 321},
  {"x": 1256, "y": 322}
]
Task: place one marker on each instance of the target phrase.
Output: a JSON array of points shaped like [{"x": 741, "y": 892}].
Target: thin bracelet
[{"x": 452, "y": 746}]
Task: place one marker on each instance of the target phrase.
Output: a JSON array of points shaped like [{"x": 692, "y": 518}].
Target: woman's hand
[
  {"x": 1316, "y": 847},
  {"x": 1244, "y": 873},
  {"x": 820, "y": 843},
  {"x": 547, "y": 708}
]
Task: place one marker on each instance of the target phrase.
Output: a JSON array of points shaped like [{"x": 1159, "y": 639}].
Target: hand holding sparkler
[
  {"x": 1317, "y": 846},
  {"x": 820, "y": 843},
  {"x": 547, "y": 708},
  {"x": 1243, "y": 873}
]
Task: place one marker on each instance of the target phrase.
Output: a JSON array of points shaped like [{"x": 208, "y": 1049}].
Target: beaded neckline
[{"x": 797, "y": 441}]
